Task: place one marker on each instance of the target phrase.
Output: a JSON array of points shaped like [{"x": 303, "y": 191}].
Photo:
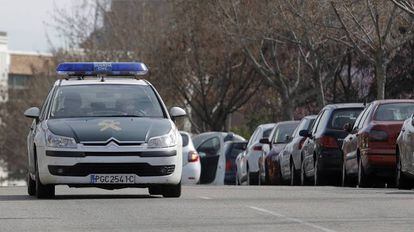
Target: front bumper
[{"x": 75, "y": 167}]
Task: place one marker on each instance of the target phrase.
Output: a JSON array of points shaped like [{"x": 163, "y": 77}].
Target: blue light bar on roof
[{"x": 102, "y": 68}]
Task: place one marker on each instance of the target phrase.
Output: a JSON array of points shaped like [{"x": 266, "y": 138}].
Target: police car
[{"x": 101, "y": 126}]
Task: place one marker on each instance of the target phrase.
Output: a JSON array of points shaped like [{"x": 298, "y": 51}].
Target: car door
[
  {"x": 209, "y": 152},
  {"x": 309, "y": 146},
  {"x": 351, "y": 144},
  {"x": 408, "y": 140}
]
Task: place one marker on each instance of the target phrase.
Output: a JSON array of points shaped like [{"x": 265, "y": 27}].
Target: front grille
[
  {"x": 85, "y": 169},
  {"x": 84, "y": 154}
]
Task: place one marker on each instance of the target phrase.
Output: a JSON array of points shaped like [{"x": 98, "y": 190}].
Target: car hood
[{"x": 104, "y": 129}]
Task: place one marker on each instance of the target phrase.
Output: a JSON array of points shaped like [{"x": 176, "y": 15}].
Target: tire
[
  {"x": 155, "y": 190},
  {"x": 317, "y": 178},
  {"x": 345, "y": 179},
  {"x": 363, "y": 179},
  {"x": 401, "y": 181},
  {"x": 43, "y": 191},
  {"x": 171, "y": 191},
  {"x": 303, "y": 180},
  {"x": 252, "y": 178},
  {"x": 31, "y": 186},
  {"x": 293, "y": 178}
]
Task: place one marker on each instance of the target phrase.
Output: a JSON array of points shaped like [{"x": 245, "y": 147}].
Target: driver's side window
[{"x": 210, "y": 147}]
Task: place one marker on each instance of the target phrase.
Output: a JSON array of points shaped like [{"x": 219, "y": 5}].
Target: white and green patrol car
[{"x": 102, "y": 127}]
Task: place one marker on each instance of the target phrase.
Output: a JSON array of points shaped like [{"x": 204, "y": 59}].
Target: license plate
[{"x": 112, "y": 179}]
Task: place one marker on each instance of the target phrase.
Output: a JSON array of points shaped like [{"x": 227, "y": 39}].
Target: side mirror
[
  {"x": 304, "y": 133},
  {"x": 33, "y": 112},
  {"x": 176, "y": 112},
  {"x": 264, "y": 141},
  {"x": 348, "y": 127}
]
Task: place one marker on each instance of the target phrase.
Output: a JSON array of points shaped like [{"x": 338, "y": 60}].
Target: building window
[{"x": 18, "y": 81}]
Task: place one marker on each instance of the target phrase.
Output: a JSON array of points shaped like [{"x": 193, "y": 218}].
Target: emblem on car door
[{"x": 110, "y": 124}]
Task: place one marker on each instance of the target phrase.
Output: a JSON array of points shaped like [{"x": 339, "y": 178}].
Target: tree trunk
[
  {"x": 319, "y": 85},
  {"x": 287, "y": 107},
  {"x": 381, "y": 77}
]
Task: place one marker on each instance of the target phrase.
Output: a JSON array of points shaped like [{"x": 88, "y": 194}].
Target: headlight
[
  {"x": 168, "y": 140},
  {"x": 53, "y": 140}
]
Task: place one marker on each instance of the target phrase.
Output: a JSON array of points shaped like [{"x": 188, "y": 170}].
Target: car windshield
[
  {"x": 342, "y": 116},
  {"x": 282, "y": 131},
  {"x": 394, "y": 112},
  {"x": 105, "y": 101}
]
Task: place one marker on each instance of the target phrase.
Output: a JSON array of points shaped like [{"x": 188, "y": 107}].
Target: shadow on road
[
  {"x": 75, "y": 197},
  {"x": 401, "y": 193}
]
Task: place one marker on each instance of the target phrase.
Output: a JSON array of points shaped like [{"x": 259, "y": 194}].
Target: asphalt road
[{"x": 211, "y": 208}]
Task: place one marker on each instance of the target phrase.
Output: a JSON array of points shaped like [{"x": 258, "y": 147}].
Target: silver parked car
[
  {"x": 247, "y": 161},
  {"x": 291, "y": 159}
]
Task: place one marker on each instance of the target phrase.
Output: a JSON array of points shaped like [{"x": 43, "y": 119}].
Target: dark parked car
[
  {"x": 405, "y": 155},
  {"x": 269, "y": 163},
  {"x": 291, "y": 159},
  {"x": 322, "y": 153},
  {"x": 369, "y": 149},
  {"x": 231, "y": 151}
]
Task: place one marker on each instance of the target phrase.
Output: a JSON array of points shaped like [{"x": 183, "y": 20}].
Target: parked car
[
  {"x": 191, "y": 161},
  {"x": 322, "y": 153},
  {"x": 231, "y": 151},
  {"x": 291, "y": 159},
  {"x": 247, "y": 162},
  {"x": 269, "y": 163},
  {"x": 210, "y": 148},
  {"x": 369, "y": 149},
  {"x": 405, "y": 155}
]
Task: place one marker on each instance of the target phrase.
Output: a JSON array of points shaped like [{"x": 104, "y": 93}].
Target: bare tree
[
  {"x": 373, "y": 29},
  {"x": 406, "y": 5}
]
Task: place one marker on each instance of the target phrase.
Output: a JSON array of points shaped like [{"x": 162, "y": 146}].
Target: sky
[{"x": 26, "y": 23}]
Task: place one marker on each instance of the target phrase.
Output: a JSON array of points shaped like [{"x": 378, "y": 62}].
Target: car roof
[
  {"x": 267, "y": 125},
  {"x": 310, "y": 116},
  {"x": 286, "y": 123},
  {"x": 386, "y": 101},
  {"x": 97, "y": 81},
  {"x": 344, "y": 106}
]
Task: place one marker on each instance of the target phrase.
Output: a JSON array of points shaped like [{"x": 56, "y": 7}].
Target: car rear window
[
  {"x": 342, "y": 116},
  {"x": 394, "y": 111},
  {"x": 282, "y": 131},
  {"x": 185, "y": 139}
]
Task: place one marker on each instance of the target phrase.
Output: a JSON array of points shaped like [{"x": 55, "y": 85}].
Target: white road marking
[
  {"x": 292, "y": 219},
  {"x": 205, "y": 198}
]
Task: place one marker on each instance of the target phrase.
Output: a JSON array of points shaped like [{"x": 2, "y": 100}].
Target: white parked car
[
  {"x": 247, "y": 161},
  {"x": 211, "y": 148},
  {"x": 191, "y": 161}
]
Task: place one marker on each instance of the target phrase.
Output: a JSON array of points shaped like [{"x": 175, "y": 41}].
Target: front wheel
[
  {"x": 43, "y": 191},
  {"x": 363, "y": 179},
  {"x": 31, "y": 185},
  {"x": 171, "y": 191},
  {"x": 317, "y": 177},
  {"x": 293, "y": 178},
  {"x": 402, "y": 181}
]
